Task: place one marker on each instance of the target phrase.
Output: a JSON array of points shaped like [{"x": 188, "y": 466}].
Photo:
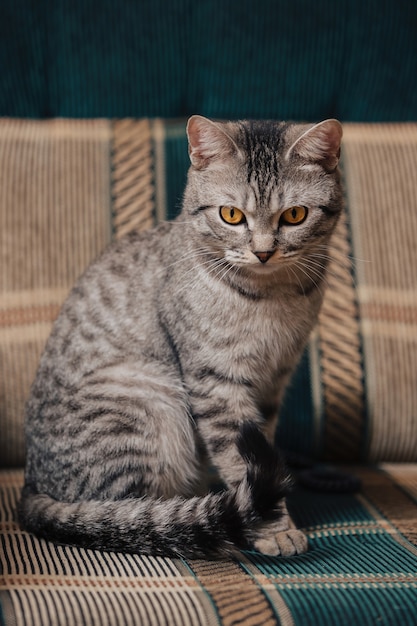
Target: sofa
[{"x": 94, "y": 99}]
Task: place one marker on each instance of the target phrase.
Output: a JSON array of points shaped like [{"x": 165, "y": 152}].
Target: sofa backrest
[
  {"x": 68, "y": 186},
  {"x": 349, "y": 59}
]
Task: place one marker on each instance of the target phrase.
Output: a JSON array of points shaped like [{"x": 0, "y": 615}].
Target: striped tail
[{"x": 213, "y": 526}]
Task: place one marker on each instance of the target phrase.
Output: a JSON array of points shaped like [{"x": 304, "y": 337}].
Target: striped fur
[
  {"x": 173, "y": 351},
  {"x": 213, "y": 525}
]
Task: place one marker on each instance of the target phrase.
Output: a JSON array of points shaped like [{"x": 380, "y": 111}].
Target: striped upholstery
[
  {"x": 66, "y": 188},
  {"x": 361, "y": 569},
  {"x": 54, "y": 217},
  {"x": 381, "y": 165},
  {"x": 83, "y": 182}
]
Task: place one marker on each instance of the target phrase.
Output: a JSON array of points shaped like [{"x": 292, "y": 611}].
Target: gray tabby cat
[{"x": 173, "y": 351}]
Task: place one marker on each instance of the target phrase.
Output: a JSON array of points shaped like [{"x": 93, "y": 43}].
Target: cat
[{"x": 174, "y": 348}]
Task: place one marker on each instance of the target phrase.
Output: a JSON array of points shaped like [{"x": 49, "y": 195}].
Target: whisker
[
  {"x": 332, "y": 263},
  {"x": 311, "y": 271},
  {"x": 304, "y": 269},
  {"x": 333, "y": 273},
  {"x": 215, "y": 266},
  {"x": 224, "y": 265},
  {"x": 318, "y": 266},
  {"x": 294, "y": 273},
  {"x": 352, "y": 257},
  {"x": 187, "y": 255},
  {"x": 227, "y": 270}
]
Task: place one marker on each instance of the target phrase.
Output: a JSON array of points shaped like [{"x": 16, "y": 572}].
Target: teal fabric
[
  {"x": 361, "y": 570},
  {"x": 301, "y": 60},
  {"x": 354, "y": 573},
  {"x": 296, "y": 427}
]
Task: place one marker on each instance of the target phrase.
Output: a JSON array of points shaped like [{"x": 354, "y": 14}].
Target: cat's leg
[
  {"x": 220, "y": 407},
  {"x": 220, "y": 410},
  {"x": 283, "y": 539}
]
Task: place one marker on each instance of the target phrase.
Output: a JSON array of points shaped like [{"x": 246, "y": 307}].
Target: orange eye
[
  {"x": 294, "y": 215},
  {"x": 232, "y": 215}
]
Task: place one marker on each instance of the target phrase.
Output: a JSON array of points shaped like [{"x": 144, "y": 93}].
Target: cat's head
[{"x": 261, "y": 193}]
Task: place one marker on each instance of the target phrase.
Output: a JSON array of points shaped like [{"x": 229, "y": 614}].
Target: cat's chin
[{"x": 262, "y": 269}]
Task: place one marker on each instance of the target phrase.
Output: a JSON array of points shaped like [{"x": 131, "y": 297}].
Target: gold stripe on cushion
[
  {"x": 340, "y": 350},
  {"x": 132, "y": 176},
  {"x": 236, "y": 595}
]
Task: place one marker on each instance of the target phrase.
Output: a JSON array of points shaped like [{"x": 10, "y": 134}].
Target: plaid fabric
[
  {"x": 361, "y": 569},
  {"x": 54, "y": 217},
  {"x": 68, "y": 187}
]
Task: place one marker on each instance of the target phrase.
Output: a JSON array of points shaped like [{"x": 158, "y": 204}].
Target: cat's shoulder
[
  {"x": 137, "y": 243},
  {"x": 142, "y": 237},
  {"x": 124, "y": 255}
]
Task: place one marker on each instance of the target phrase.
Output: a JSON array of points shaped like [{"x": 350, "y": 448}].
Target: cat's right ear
[
  {"x": 207, "y": 142},
  {"x": 320, "y": 144}
]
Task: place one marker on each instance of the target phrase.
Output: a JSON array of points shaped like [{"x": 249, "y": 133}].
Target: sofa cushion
[
  {"x": 68, "y": 186},
  {"x": 56, "y": 214},
  {"x": 361, "y": 569}
]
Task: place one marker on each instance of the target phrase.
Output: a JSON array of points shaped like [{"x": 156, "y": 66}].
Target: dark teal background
[{"x": 298, "y": 59}]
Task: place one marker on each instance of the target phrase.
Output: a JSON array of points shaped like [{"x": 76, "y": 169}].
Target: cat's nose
[{"x": 264, "y": 256}]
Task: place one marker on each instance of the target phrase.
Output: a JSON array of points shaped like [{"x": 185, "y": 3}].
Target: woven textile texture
[
  {"x": 361, "y": 569},
  {"x": 67, "y": 187},
  {"x": 54, "y": 218},
  {"x": 270, "y": 58},
  {"x": 381, "y": 166}
]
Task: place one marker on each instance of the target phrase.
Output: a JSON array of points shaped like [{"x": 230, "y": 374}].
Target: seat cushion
[{"x": 361, "y": 569}]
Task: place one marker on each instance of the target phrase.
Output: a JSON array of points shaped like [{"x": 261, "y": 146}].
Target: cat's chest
[{"x": 240, "y": 337}]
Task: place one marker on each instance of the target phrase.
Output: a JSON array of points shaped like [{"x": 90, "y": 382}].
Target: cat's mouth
[
  {"x": 260, "y": 268},
  {"x": 262, "y": 264},
  {"x": 263, "y": 268}
]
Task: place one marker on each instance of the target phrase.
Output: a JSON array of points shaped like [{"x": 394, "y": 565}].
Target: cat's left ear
[
  {"x": 320, "y": 144},
  {"x": 208, "y": 142}
]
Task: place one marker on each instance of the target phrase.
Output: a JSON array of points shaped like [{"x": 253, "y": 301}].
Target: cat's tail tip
[{"x": 267, "y": 478}]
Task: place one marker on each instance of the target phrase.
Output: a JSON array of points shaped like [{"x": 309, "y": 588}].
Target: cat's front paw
[{"x": 283, "y": 543}]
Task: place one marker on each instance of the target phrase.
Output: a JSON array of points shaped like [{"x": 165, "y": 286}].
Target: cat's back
[
  {"x": 130, "y": 266},
  {"x": 132, "y": 258}
]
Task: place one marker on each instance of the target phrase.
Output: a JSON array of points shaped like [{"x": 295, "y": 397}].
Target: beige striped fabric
[
  {"x": 381, "y": 176},
  {"x": 54, "y": 218},
  {"x": 65, "y": 187},
  {"x": 132, "y": 166}
]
